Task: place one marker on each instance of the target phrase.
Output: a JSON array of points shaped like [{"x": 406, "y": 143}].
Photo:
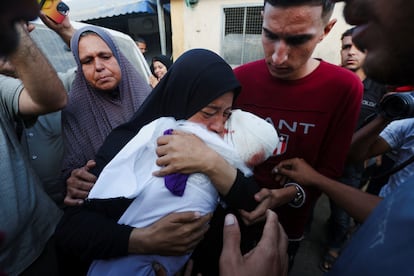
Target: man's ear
[{"x": 329, "y": 26}]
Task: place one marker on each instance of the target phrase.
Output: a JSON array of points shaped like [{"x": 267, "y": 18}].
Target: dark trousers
[
  {"x": 339, "y": 221},
  {"x": 46, "y": 263}
]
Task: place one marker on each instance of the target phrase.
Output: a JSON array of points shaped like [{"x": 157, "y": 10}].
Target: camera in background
[{"x": 398, "y": 105}]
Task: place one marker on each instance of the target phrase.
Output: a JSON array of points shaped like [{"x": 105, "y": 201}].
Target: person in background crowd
[
  {"x": 314, "y": 106},
  {"x": 383, "y": 245},
  {"x": 384, "y": 134},
  {"x": 141, "y": 44},
  {"x": 159, "y": 67},
  {"x": 28, "y": 215},
  {"x": 339, "y": 221},
  {"x": 353, "y": 59},
  {"x": 13, "y": 258},
  {"x": 106, "y": 91},
  {"x": 42, "y": 141}
]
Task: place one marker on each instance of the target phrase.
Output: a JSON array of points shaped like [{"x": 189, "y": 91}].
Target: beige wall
[
  {"x": 200, "y": 26},
  {"x": 329, "y": 48}
]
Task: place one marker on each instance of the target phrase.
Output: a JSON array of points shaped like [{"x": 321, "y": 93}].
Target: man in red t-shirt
[{"x": 313, "y": 105}]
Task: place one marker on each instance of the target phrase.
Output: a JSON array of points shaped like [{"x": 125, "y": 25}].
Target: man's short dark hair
[
  {"x": 140, "y": 39},
  {"x": 348, "y": 32},
  {"x": 327, "y": 5}
]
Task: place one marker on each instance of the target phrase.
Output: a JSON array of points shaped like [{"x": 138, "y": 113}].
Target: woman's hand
[
  {"x": 79, "y": 184},
  {"x": 186, "y": 153},
  {"x": 153, "y": 81},
  {"x": 173, "y": 235},
  {"x": 181, "y": 153}
]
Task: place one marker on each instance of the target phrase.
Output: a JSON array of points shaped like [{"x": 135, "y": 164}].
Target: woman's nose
[
  {"x": 218, "y": 125},
  {"x": 99, "y": 65}
]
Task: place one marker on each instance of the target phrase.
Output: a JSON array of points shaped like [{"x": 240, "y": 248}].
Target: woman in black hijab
[
  {"x": 159, "y": 67},
  {"x": 91, "y": 231},
  {"x": 193, "y": 81}
]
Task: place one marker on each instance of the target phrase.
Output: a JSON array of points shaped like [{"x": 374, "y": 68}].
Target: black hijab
[
  {"x": 163, "y": 59},
  {"x": 198, "y": 77}
]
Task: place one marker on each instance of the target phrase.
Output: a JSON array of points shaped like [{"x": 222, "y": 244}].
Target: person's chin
[
  {"x": 351, "y": 67},
  {"x": 281, "y": 73},
  {"x": 106, "y": 86},
  {"x": 106, "y": 83}
]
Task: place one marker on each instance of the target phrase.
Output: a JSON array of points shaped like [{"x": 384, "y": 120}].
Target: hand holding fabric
[
  {"x": 186, "y": 153},
  {"x": 173, "y": 235},
  {"x": 79, "y": 183},
  {"x": 182, "y": 153}
]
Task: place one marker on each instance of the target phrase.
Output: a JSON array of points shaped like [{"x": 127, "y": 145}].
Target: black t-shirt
[{"x": 373, "y": 93}]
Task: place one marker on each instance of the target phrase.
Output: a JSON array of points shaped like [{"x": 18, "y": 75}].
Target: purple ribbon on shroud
[{"x": 175, "y": 182}]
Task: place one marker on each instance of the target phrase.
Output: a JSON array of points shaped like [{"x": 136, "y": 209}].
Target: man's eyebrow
[
  {"x": 269, "y": 32},
  {"x": 286, "y": 37}
]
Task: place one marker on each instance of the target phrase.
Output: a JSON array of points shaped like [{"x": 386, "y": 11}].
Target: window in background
[{"x": 241, "y": 42}]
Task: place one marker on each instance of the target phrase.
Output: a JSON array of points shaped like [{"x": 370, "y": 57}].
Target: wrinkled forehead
[
  {"x": 93, "y": 42},
  {"x": 93, "y": 32}
]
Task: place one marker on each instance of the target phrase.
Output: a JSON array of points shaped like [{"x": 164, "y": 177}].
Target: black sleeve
[
  {"x": 91, "y": 231},
  {"x": 241, "y": 194}
]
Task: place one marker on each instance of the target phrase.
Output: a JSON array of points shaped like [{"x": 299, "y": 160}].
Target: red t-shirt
[{"x": 315, "y": 116}]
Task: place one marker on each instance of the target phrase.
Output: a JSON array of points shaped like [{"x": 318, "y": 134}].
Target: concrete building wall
[{"x": 200, "y": 26}]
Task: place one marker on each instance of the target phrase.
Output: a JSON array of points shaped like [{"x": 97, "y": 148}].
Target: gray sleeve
[
  {"x": 10, "y": 89},
  {"x": 67, "y": 78}
]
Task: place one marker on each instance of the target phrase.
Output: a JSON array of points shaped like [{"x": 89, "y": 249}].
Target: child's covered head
[{"x": 254, "y": 139}]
